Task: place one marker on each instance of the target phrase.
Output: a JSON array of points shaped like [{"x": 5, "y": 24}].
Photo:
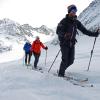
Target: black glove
[
  {"x": 46, "y": 48},
  {"x": 97, "y": 33}
]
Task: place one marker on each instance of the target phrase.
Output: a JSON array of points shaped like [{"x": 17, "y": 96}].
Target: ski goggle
[{"x": 73, "y": 11}]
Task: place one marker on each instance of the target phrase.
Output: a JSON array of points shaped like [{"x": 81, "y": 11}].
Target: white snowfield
[{"x": 19, "y": 83}]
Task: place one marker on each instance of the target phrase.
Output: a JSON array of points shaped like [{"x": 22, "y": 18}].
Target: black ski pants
[
  {"x": 27, "y": 57},
  {"x": 36, "y": 56},
  {"x": 68, "y": 54}
]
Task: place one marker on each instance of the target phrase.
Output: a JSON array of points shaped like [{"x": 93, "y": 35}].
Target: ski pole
[
  {"x": 91, "y": 53},
  {"x": 45, "y": 57},
  {"x": 54, "y": 60}
]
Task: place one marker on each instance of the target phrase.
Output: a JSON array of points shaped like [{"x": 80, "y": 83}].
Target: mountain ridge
[{"x": 90, "y": 17}]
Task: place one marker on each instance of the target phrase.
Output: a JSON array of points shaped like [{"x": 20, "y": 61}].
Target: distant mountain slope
[
  {"x": 10, "y": 27},
  {"x": 90, "y": 17},
  {"x": 11, "y": 31}
]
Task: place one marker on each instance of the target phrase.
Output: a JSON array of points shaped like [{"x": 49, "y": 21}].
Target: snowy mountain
[
  {"x": 10, "y": 27},
  {"x": 90, "y": 16},
  {"x": 44, "y": 30},
  {"x": 11, "y": 31}
]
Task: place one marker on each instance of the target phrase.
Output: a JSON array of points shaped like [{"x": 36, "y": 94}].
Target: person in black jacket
[{"x": 66, "y": 31}]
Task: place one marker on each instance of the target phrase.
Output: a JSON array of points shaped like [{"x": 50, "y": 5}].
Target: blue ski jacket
[{"x": 27, "y": 47}]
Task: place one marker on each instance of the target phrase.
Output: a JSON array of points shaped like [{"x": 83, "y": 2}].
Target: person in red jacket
[{"x": 36, "y": 50}]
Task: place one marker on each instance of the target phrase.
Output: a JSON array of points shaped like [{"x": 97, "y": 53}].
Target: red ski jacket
[{"x": 36, "y": 46}]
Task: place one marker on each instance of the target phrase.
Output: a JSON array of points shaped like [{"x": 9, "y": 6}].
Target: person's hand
[
  {"x": 97, "y": 33},
  {"x": 46, "y": 48}
]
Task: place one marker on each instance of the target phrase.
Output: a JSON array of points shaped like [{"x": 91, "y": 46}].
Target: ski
[
  {"x": 83, "y": 85},
  {"x": 76, "y": 79},
  {"x": 79, "y": 82},
  {"x": 82, "y": 82},
  {"x": 38, "y": 69}
]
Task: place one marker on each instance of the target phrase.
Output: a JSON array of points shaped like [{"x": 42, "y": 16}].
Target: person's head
[
  {"x": 72, "y": 9},
  {"x": 37, "y": 38},
  {"x": 28, "y": 42}
]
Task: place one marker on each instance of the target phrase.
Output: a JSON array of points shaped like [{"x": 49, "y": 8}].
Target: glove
[
  {"x": 97, "y": 33},
  {"x": 46, "y": 48}
]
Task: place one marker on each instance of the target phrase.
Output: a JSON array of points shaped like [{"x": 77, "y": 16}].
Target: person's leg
[
  {"x": 29, "y": 57},
  {"x": 71, "y": 56},
  {"x": 36, "y": 59},
  {"x": 65, "y": 59},
  {"x": 25, "y": 58}
]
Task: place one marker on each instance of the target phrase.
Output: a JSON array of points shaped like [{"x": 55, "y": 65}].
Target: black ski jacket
[{"x": 67, "y": 30}]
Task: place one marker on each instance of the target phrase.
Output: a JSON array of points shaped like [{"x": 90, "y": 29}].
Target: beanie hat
[{"x": 72, "y": 8}]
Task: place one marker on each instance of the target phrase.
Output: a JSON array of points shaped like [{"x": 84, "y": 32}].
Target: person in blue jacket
[{"x": 28, "y": 53}]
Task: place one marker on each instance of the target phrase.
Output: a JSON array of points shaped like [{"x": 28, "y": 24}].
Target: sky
[{"x": 38, "y": 12}]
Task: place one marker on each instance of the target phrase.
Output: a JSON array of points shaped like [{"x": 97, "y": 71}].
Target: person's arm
[
  {"x": 61, "y": 28},
  {"x": 44, "y": 47},
  {"x": 85, "y": 31}
]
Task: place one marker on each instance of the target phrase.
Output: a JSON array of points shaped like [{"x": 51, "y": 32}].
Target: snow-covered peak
[
  {"x": 11, "y": 31},
  {"x": 9, "y": 27},
  {"x": 6, "y": 21},
  {"x": 44, "y": 30},
  {"x": 90, "y": 17}
]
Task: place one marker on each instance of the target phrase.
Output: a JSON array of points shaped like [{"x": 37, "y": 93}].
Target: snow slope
[{"x": 19, "y": 83}]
